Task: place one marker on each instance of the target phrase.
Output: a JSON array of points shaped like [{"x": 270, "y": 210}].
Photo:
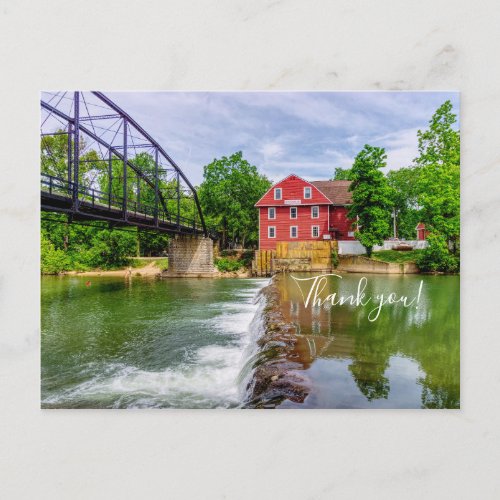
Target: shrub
[
  {"x": 437, "y": 257},
  {"x": 227, "y": 265},
  {"x": 335, "y": 259},
  {"x": 53, "y": 261}
]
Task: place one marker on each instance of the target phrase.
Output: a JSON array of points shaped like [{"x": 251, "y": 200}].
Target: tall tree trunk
[{"x": 66, "y": 235}]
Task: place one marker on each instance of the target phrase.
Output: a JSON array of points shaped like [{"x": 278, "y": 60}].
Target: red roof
[{"x": 420, "y": 225}]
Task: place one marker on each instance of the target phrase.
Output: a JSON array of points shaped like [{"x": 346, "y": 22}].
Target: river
[
  {"x": 406, "y": 358},
  {"x": 185, "y": 343},
  {"x": 146, "y": 343}
]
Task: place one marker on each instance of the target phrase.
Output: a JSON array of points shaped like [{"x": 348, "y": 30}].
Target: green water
[
  {"x": 407, "y": 358},
  {"x": 122, "y": 343},
  {"x": 184, "y": 343}
]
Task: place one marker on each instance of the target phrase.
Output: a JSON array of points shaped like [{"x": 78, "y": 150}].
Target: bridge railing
[
  {"x": 88, "y": 132},
  {"x": 95, "y": 198}
]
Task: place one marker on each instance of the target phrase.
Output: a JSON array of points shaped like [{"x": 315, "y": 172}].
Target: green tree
[
  {"x": 371, "y": 197},
  {"x": 404, "y": 184},
  {"x": 54, "y": 159},
  {"x": 342, "y": 174},
  {"x": 66, "y": 246},
  {"x": 437, "y": 256},
  {"x": 439, "y": 176},
  {"x": 152, "y": 243},
  {"x": 52, "y": 259},
  {"x": 231, "y": 186},
  {"x": 54, "y": 155}
]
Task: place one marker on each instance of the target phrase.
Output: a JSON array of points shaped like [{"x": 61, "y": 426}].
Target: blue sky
[{"x": 307, "y": 133}]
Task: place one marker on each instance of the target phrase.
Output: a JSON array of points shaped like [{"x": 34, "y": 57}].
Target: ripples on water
[
  {"x": 189, "y": 343},
  {"x": 150, "y": 344}
]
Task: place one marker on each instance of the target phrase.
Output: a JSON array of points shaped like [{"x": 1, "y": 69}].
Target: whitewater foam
[{"x": 209, "y": 376}]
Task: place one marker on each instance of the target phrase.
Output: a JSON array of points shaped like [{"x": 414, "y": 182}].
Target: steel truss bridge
[{"x": 98, "y": 163}]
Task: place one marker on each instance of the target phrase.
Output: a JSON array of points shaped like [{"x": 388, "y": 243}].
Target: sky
[{"x": 305, "y": 133}]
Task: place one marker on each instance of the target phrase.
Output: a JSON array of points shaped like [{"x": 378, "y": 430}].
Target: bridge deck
[{"x": 91, "y": 205}]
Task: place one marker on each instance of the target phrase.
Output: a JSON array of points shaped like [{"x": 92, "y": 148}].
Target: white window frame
[
  {"x": 296, "y": 231},
  {"x": 269, "y": 213},
  {"x": 310, "y": 192},
  {"x": 312, "y": 232},
  {"x": 276, "y": 192},
  {"x": 296, "y": 213},
  {"x": 312, "y": 211},
  {"x": 269, "y": 231}
]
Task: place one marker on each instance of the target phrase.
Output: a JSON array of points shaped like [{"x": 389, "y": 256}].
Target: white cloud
[
  {"x": 400, "y": 146},
  {"x": 271, "y": 150},
  {"x": 309, "y": 133}
]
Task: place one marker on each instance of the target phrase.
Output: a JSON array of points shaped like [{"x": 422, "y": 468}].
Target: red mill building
[{"x": 297, "y": 210}]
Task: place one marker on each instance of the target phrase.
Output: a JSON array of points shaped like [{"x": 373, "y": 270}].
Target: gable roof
[
  {"x": 318, "y": 197},
  {"x": 336, "y": 191}
]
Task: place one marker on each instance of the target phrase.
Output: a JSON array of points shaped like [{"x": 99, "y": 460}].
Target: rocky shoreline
[{"x": 277, "y": 376}]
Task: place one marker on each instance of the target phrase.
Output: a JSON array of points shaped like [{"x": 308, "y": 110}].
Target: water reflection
[{"x": 407, "y": 358}]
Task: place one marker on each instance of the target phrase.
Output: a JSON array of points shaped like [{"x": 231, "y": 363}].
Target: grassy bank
[{"x": 396, "y": 256}]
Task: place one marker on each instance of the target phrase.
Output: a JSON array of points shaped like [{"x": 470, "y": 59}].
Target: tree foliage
[
  {"x": 66, "y": 246},
  {"x": 79, "y": 247},
  {"x": 231, "y": 186},
  {"x": 437, "y": 257},
  {"x": 53, "y": 260},
  {"x": 371, "y": 197},
  {"x": 342, "y": 174},
  {"x": 403, "y": 183},
  {"x": 438, "y": 187},
  {"x": 439, "y": 175}
]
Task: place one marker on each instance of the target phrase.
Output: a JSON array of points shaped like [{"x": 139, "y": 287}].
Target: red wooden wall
[
  {"x": 339, "y": 220},
  {"x": 293, "y": 189},
  {"x": 304, "y": 223}
]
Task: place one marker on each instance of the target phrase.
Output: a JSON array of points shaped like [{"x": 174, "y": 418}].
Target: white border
[{"x": 206, "y": 454}]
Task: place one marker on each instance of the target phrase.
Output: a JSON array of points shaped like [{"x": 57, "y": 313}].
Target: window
[
  {"x": 271, "y": 232},
  {"x": 293, "y": 212},
  {"x": 315, "y": 231},
  {"x": 307, "y": 193},
  {"x": 271, "y": 213},
  {"x": 314, "y": 212},
  {"x": 293, "y": 231},
  {"x": 350, "y": 234},
  {"x": 277, "y": 193}
]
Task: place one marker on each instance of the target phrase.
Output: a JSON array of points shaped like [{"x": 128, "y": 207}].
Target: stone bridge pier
[{"x": 190, "y": 256}]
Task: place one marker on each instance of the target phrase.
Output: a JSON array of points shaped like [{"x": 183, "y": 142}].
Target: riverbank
[
  {"x": 153, "y": 268},
  {"x": 366, "y": 265},
  {"x": 148, "y": 270}
]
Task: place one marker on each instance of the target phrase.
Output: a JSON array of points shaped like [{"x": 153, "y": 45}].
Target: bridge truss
[{"x": 98, "y": 163}]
